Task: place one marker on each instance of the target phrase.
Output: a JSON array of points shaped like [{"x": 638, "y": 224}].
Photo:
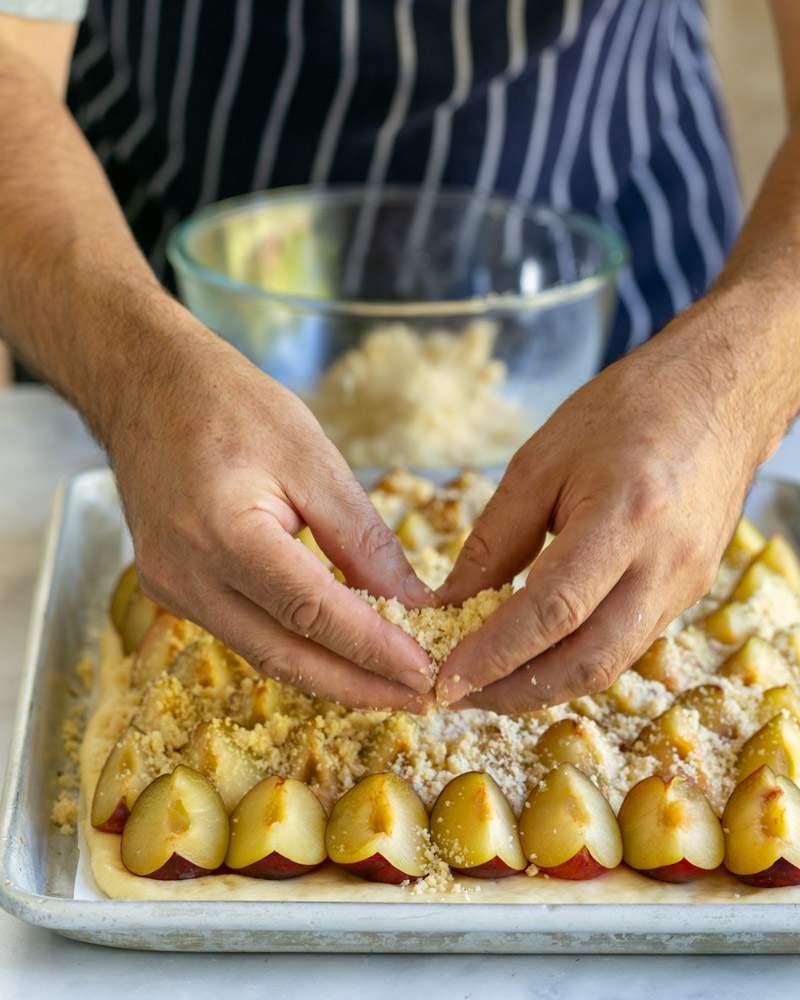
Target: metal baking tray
[{"x": 85, "y": 546}]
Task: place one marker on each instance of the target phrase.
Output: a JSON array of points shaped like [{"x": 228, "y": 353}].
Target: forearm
[
  {"x": 752, "y": 312},
  {"x": 77, "y": 299},
  {"x": 736, "y": 352}
]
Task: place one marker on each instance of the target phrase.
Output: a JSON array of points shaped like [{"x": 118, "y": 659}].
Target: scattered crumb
[
  {"x": 65, "y": 807},
  {"x": 65, "y": 812},
  {"x": 85, "y": 672},
  {"x": 438, "y": 878}
]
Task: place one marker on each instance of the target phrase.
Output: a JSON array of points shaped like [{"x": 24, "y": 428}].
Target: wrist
[
  {"x": 759, "y": 325},
  {"x": 743, "y": 351},
  {"x": 179, "y": 376},
  {"x": 144, "y": 344}
]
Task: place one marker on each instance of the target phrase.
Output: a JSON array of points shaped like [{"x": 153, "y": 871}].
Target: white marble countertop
[{"x": 42, "y": 440}]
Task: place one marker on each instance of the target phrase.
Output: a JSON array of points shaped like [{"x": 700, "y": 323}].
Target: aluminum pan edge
[
  {"x": 415, "y": 927},
  {"x": 12, "y": 782}
]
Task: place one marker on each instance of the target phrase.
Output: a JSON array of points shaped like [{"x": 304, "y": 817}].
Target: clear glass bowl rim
[{"x": 615, "y": 254}]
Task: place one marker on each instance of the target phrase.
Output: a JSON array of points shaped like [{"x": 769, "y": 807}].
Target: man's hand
[
  {"x": 642, "y": 473},
  {"x": 641, "y": 476},
  {"x": 218, "y": 467}
]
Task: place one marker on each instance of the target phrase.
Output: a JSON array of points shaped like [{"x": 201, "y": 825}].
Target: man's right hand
[{"x": 218, "y": 467}]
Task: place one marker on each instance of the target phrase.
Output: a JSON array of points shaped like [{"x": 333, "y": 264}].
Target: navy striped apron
[{"x": 606, "y": 106}]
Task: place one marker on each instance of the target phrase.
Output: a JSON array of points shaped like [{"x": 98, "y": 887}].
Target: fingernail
[
  {"x": 416, "y": 681},
  {"x": 453, "y": 690},
  {"x": 416, "y": 593}
]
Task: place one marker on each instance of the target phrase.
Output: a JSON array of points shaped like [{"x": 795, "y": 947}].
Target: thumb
[{"x": 507, "y": 535}]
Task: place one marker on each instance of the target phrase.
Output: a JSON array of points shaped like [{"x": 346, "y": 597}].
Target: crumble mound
[
  {"x": 447, "y": 406},
  {"x": 440, "y": 630}
]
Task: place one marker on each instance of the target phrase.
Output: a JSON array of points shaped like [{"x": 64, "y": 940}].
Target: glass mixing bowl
[{"x": 295, "y": 277}]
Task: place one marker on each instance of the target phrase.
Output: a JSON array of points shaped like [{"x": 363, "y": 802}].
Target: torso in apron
[{"x": 605, "y": 106}]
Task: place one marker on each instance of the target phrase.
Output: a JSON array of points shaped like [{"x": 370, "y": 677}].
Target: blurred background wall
[{"x": 744, "y": 45}]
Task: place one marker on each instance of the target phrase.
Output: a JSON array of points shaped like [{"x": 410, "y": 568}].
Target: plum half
[
  {"x": 277, "y": 831},
  {"x": 377, "y": 830},
  {"x": 123, "y": 778},
  {"x": 568, "y": 829},
  {"x": 474, "y": 829},
  {"x": 669, "y": 831},
  {"x": 762, "y": 830},
  {"x": 177, "y": 829}
]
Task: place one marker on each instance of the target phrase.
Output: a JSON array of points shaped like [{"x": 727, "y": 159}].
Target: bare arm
[
  {"x": 643, "y": 472},
  {"x": 46, "y": 45},
  {"x": 50, "y": 45},
  {"x": 70, "y": 270},
  {"x": 204, "y": 446}
]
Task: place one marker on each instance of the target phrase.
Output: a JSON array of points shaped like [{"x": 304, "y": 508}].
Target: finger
[
  {"x": 505, "y": 538},
  {"x": 273, "y": 651},
  {"x": 355, "y": 538},
  {"x": 280, "y": 575},
  {"x": 586, "y": 662},
  {"x": 565, "y": 585}
]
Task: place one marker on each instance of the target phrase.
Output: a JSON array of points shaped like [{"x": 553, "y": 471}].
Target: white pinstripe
[
  {"x": 545, "y": 92},
  {"x": 215, "y": 147},
  {"x": 341, "y": 99},
  {"x": 496, "y": 97},
  {"x": 440, "y": 144},
  {"x": 696, "y": 185},
  {"x": 540, "y": 124},
  {"x": 290, "y": 74},
  {"x": 384, "y": 143},
  {"x": 96, "y": 48},
  {"x": 147, "y": 82},
  {"x": 176, "y": 125},
  {"x": 603, "y": 167},
  {"x": 121, "y": 77},
  {"x": 517, "y": 38},
  {"x": 607, "y": 91},
  {"x": 579, "y": 102},
  {"x": 707, "y": 126},
  {"x": 407, "y": 59},
  {"x": 176, "y": 122},
  {"x": 86, "y": 59},
  {"x": 640, "y": 171},
  {"x": 495, "y": 129},
  {"x": 629, "y": 292}
]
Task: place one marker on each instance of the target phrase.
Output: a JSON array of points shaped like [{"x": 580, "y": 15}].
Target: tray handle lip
[
  {"x": 64, "y": 914},
  {"x": 42, "y": 594},
  {"x": 33, "y": 646}
]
